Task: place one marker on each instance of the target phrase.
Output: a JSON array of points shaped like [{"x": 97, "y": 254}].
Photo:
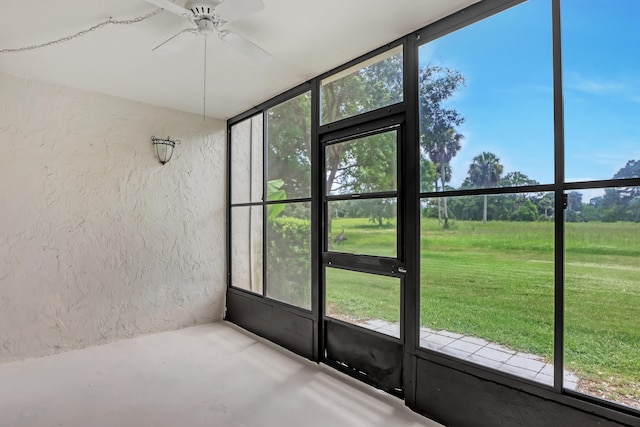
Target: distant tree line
[{"x": 617, "y": 204}]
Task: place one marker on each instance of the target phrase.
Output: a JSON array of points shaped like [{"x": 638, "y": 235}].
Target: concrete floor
[{"x": 214, "y": 375}]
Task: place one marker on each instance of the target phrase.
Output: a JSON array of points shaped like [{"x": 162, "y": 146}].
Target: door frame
[{"x": 367, "y": 355}]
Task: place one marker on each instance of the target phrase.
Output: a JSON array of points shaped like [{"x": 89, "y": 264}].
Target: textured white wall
[{"x": 98, "y": 240}]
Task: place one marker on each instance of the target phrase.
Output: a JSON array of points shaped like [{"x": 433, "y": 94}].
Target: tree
[
  {"x": 436, "y": 85},
  {"x": 439, "y": 141},
  {"x": 574, "y": 207},
  {"x": 619, "y": 204},
  {"x": 611, "y": 205},
  {"x": 428, "y": 174},
  {"x": 527, "y": 211},
  {"x": 289, "y": 145},
  {"x": 545, "y": 206},
  {"x": 367, "y": 167},
  {"x": 517, "y": 206},
  {"x": 466, "y": 208},
  {"x": 484, "y": 172},
  {"x": 574, "y": 201},
  {"x": 445, "y": 145},
  {"x": 516, "y": 179},
  {"x": 630, "y": 170},
  {"x": 369, "y": 88}
]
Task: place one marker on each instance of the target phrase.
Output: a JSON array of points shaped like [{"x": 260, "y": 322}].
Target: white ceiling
[{"x": 305, "y": 37}]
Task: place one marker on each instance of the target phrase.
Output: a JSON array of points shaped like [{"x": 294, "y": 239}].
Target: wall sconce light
[{"x": 164, "y": 148}]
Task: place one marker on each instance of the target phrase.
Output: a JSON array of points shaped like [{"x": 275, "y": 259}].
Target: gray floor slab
[{"x": 210, "y": 375}]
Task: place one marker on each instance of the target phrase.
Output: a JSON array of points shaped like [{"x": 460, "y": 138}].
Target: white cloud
[{"x": 595, "y": 86}]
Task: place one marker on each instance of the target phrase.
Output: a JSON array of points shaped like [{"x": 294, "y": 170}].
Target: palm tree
[
  {"x": 444, "y": 146},
  {"x": 484, "y": 172}
]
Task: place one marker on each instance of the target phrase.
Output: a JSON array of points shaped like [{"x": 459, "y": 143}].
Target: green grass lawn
[
  {"x": 364, "y": 237},
  {"x": 496, "y": 281}
]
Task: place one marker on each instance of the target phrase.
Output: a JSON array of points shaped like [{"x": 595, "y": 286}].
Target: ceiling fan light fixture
[{"x": 206, "y": 27}]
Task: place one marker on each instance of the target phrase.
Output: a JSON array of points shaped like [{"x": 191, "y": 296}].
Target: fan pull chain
[
  {"x": 204, "y": 83},
  {"x": 84, "y": 32}
]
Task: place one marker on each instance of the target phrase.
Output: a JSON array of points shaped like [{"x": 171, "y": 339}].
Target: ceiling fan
[{"x": 209, "y": 17}]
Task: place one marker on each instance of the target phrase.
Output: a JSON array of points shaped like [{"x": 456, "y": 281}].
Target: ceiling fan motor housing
[{"x": 203, "y": 8}]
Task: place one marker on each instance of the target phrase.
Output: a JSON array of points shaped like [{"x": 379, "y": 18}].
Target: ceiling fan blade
[
  {"x": 245, "y": 47},
  {"x": 232, "y": 10},
  {"x": 177, "y": 41},
  {"x": 172, "y": 7}
]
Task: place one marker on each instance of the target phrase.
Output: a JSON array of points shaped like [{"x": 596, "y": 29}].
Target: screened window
[
  {"x": 486, "y": 121},
  {"x": 246, "y": 160},
  {"x": 246, "y": 248},
  {"x": 602, "y": 293},
  {"x": 372, "y": 84},
  {"x": 487, "y": 289},
  {"x": 362, "y": 165},
  {"x": 601, "y": 87},
  {"x": 289, "y": 149},
  {"x": 486, "y": 103},
  {"x": 366, "y": 300},
  {"x": 602, "y": 225},
  {"x": 289, "y": 253},
  {"x": 361, "y": 190},
  {"x": 271, "y": 236},
  {"x": 247, "y": 221}
]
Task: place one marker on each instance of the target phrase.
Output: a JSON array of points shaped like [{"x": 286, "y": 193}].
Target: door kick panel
[{"x": 378, "y": 358}]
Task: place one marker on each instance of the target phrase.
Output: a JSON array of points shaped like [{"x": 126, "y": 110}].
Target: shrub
[{"x": 289, "y": 260}]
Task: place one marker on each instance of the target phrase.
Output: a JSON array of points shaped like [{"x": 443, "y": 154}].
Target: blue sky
[{"x": 508, "y": 98}]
